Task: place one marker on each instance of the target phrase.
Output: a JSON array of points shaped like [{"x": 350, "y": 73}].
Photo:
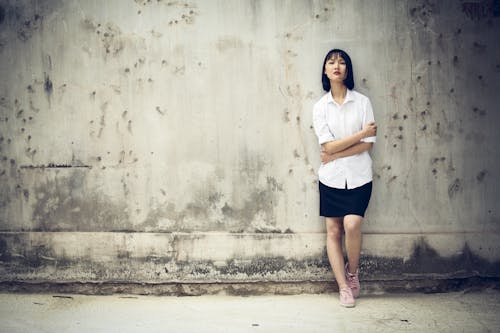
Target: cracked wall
[{"x": 190, "y": 122}]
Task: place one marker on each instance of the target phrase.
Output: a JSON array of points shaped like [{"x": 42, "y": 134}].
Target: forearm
[
  {"x": 337, "y": 146},
  {"x": 355, "y": 149}
]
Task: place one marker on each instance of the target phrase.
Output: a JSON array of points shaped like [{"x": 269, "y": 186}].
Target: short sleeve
[
  {"x": 368, "y": 118},
  {"x": 321, "y": 126}
]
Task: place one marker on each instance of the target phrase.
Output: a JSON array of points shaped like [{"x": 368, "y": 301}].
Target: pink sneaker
[
  {"x": 352, "y": 281},
  {"x": 346, "y": 298}
]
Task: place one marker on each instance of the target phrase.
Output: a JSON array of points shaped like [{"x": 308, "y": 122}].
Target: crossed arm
[
  {"x": 355, "y": 149},
  {"x": 351, "y": 145}
]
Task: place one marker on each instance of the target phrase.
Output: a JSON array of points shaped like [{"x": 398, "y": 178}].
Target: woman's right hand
[
  {"x": 327, "y": 158},
  {"x": 369, "y": 129}
]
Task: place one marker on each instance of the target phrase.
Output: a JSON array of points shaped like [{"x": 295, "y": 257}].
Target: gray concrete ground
[{"x": 450, "y": 312}]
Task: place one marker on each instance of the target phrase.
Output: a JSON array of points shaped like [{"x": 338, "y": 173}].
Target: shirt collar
[{"x": 349, "y": 96}]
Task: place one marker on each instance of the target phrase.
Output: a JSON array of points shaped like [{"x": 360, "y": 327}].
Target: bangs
[{"x": 335, "y": 55}]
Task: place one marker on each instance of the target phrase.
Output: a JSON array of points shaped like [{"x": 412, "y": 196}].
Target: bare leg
[
  {"x": 352, "y": 227},
  {"x": 334, "y": 232}
]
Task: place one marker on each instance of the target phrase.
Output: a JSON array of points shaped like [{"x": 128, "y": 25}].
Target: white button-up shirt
[{"x": 332, "y": 122}]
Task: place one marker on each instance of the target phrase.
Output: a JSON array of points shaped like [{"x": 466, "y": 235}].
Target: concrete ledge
[
  {"x": 237, "y": 258},
  {"x": 248, "y": 289}
]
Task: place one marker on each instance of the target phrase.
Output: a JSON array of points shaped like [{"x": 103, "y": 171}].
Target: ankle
[
  {"x": 343, "y": 286},
  {"x": 350, "y": 271}
]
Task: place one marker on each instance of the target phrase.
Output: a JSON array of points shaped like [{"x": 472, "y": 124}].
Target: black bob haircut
[{"x": 349, "y": 80}]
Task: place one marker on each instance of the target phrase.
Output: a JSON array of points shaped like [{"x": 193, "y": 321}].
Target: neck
[{"x": 339, "y": 90}]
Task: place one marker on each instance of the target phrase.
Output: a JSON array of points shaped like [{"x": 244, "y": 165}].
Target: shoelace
[{"x": 351, "y": 277}]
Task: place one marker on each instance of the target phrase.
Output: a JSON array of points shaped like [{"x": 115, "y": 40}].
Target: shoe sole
[{"x": 348, "y": 305}]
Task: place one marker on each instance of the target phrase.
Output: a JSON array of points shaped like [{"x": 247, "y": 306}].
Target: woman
[{"x": 344, "y": 123}]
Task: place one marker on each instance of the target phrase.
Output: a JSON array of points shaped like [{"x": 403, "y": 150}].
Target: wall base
[{"x": 250, "y": 288}]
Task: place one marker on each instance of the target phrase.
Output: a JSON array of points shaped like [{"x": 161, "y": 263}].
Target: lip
[{"x": 336, "y": 72}]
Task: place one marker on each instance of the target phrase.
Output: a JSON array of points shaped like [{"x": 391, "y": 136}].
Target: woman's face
[{"x": 336, "y": 68}]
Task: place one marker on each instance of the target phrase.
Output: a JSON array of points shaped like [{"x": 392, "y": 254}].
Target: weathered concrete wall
[{"x": 171, "y": 141}]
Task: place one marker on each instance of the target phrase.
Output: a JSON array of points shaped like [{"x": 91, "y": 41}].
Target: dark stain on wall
[
  {"x": 206, "y": 208},
  {"x": 48, "y": 87},
  {"x": 65, "y": 204},
  {"x": 479, "y": 47},
  {"x": 23, "y": 257},
  {"x": 2, "y": 14},
  {"x": 481, "y": 175},
  {"x": 324, "y": 13},
  {"x": 27, "y": 28},
  {"x": 260, "y": 201},
  {"x": 110, "y": 35},
  {"x": 187, "y": 12},
  {"x": 19, "y": 257},
  {"x": 422, "y": 11},
  {"x": 3, "y": 249},
  {"x": 111, "y": 39},
  {"x": 10, "y": 189},
  {"x": 210, "y": 210},
  {"x": 454, "y": 188},
  {"x": 260, "y": 267},
  {"x": 479, "y": 111},
  {"x": 425, "y": 261},
  {"x": 477, "y": 11},
  {"x": 3, "y": 43},
  {"x": 165, "y": 211},
  {"x": 102, "y": 120},
  {"x": 24, "y": 19},
  {"x": 160, "y": 111}
]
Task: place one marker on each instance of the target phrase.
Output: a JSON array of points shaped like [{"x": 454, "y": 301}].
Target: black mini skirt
[{"x": 335, "y": 202}]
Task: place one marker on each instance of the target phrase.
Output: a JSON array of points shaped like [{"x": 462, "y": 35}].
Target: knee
[
  {"x": 334, "y": 234},
  {"x": 352, "y": 229}
]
